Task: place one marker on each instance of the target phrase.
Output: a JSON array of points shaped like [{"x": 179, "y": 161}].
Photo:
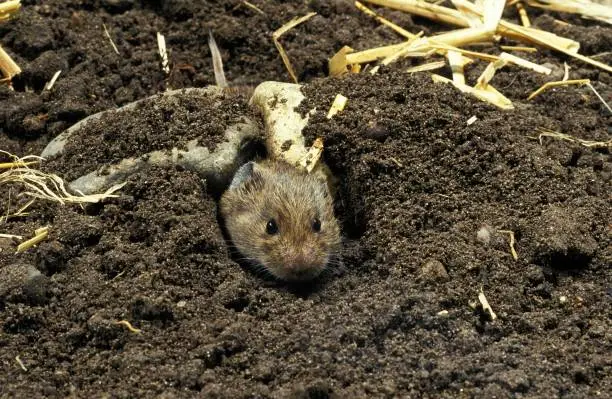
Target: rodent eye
[
  {"x": 316, "y": 225},
  {"x": 271, "y": 227}
]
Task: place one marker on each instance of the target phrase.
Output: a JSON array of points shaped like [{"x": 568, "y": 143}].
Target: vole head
[{"x": 281, "y": 219}]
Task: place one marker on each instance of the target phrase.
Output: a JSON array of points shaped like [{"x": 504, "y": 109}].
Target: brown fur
[{"x": 293, "y": 199}]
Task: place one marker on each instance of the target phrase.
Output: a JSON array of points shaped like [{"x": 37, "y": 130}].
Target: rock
[
  {"x": 216, "y": 166},
  {"x": 22, "y": 282},
  {"x": 433, "y": 270},
  {"x": 275, "y": 100}
]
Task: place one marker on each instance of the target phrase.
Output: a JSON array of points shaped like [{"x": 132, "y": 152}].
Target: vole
[{"x": 281, "y": 220}]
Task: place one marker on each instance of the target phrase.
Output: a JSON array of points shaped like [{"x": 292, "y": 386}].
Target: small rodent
[{"x": 281, "y": 220}]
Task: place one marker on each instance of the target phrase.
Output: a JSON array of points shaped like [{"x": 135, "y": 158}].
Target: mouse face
[{"x": 281, "y": 219}]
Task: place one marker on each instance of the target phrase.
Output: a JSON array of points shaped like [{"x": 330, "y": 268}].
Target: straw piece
[
  {"x": 254, "y": 7},
  {"x": 523, "y": 15},
  {"x": 337, "y": 106},
  {"x": 566, "y": 137},
  {"x": 411, "y": 46},
  {"x": 163, "y": 53},
  {"x": 17, "y": 164},
  {"x": 51, "y": 83},
  {"x": 8, "y": 67},
  {"x": 455, "y": 59},
  {"x": 8, "y": 8},
  {"x": 217, "y": 61},
  {"x": 467, "y": 53},
  {"x": 485, "y": 305},
  {"x": 600, "y": 97},
  {"x": 10, "y": 236},
  {"x": 471, "y": 121},
  {"x": 512, "y": 242},
  {"x": 523, "y": 33},
  {"x": 524, "y": 63},
  {"x": 110, "y": 39},
  {"x": 129, "y": 326},
  {"x": 20, "y": 363},
  {"x": 384, "y": 21},
  {"x": 542, "y": 40},
  {"x": 490, "y": 95},
  {"x": 427, "y": 10},
  {"x": 281, "y": 31},
  {"x": 446, "y": 41},
  {"x": 486, "y": 75},
  {"x": 41, "y": 234},
  {"x": 430, "y": 66},
  {"x": 292, "y": 24},
  {"x": 492, "y": 14},
  {"x": 338, "y": 64},
  {"x": 557, "y": 83},
  {"x": 588, "y": 9},
  {"x": 519, "y": 48}
]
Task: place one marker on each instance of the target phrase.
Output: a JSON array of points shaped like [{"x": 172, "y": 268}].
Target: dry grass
[
  {"x": 17, "y": 176},
  {"x": 543, "y": 132}
]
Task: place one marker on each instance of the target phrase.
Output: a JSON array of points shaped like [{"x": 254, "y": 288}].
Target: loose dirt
[{"x": 422, "y": 197}]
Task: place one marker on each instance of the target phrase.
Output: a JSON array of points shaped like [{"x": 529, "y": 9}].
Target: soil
[{"x": 425, "y": 201}]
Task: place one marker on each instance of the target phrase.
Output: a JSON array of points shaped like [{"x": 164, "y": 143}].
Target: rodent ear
[{"x": 244, "y": 174}]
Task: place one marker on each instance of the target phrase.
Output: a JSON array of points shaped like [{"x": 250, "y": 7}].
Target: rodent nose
[{"x": 303, "y": 259}]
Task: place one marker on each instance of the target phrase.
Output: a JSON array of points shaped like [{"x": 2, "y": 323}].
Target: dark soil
[{"x": 421, "y": 198}]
